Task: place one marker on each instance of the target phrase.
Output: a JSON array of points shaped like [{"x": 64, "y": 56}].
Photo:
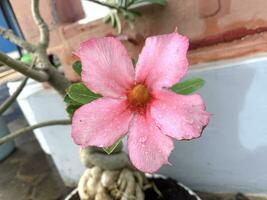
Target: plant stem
[
  {"x": 40, "y": 76},
  {"x": 93, "y": 156},
  {"x": 8, "y": 102},
  {"x": 9, "y": 35},
  {"x": 43, "y": 28},
  {"x": 17, "y": 133},
  {"x": 57, "y": 80}
]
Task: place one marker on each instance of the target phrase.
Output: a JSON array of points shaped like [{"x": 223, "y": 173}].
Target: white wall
[
  {"x": 231, "y": 155},
  {"x": 93, "y": 11}
]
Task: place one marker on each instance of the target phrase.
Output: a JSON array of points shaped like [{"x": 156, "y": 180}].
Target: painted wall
[
  {"x": 5, "y": 46},
  {"x": 218, "y": 29}
]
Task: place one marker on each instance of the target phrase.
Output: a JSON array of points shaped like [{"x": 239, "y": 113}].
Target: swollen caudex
[
  {"x": 98, "y": 184},
  {"x": 109, "y": 177}
]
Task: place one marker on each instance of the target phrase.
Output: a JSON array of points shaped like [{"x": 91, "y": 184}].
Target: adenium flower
[{"x": 138, "y": 101}]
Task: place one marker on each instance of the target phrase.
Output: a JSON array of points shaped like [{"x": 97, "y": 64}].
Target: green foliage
[
  {"x": 71, "y": 105},
  {"x": 70, "y": 101},
  {"x": 126, "y": 9},
  {"x": 77, "y": 95},
  {"x": 77, "y": 67},
  {"x": 26, "y": 58},
  {"x": 110, "y": 149},
  {"x": 160, "y": 2},
  {"x": 188, "y": 86},
  {"x": 81, "y": 94},
  {"x": 72, "y": 108}
]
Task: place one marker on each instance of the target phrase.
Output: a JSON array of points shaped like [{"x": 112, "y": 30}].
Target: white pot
[{"x": 39, "y": 105}]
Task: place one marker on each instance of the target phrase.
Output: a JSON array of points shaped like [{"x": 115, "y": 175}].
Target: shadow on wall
[{"x": 231, "y": 154}]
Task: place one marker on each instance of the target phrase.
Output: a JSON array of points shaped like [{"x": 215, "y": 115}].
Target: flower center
[{"x": 139, "y": 96}]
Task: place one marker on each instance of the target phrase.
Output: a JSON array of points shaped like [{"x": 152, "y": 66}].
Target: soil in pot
[{"x": 169, "y": 189}]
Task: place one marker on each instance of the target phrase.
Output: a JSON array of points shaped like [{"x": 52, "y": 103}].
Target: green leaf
[
  {"x": 160, "y": 2},
  {"x": 79, "y": 93},
  {"x": 77, "y": 67},
  {"x": 70, "y": 101},
  {"x": 72, "y": 108},
  {"x": 118, "y": 23},
  {"x": 110, "y": 149},
  {"x": 72, "y": 105},
  {"x": 188, "y": 86},
  {"x": 26, "y": 58},
  {"x": 112, "y": 19}
]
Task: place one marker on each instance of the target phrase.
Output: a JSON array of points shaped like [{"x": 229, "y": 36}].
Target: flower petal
[
  {"x": 106, "y": 66},
  {"x": 162, "y": 62},
  {"x": 179, "y": 116},
  {"x": 101, "y": 123},
  {"x": 148, "y": 148}
]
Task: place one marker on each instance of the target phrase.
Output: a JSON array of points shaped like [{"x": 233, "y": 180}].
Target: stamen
[{"x": 139, "y": 96}]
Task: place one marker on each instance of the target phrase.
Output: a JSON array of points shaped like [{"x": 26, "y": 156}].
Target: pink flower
[{"x": 137, "y": 101}]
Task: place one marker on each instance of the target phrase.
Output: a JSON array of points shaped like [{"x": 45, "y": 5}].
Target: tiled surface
[{"x": 29, "y": 175}]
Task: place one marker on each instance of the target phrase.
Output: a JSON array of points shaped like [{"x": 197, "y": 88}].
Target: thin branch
[
  {"x": 17, "y": 133},
  {"x": 9, "y": 35},
  {"x": 43, "y": 28},
  {"x": 40, "y": 76},
  {"x": 9, "y": 101}
]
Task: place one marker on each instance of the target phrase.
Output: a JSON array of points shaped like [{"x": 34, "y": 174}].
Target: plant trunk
[{"x": 57, "y": 80}]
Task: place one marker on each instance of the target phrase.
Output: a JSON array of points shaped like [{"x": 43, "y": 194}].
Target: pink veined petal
[
  {"x": 148, "y": 148},
  {"x": 101, "y": 123},
  {"x": 162, "y": 62},
  {"x": 106, "y": 66},
  {"x": 179, "y": 116}
]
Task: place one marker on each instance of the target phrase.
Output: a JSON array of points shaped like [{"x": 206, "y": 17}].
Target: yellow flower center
[{"x": 139, "y": 96}]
